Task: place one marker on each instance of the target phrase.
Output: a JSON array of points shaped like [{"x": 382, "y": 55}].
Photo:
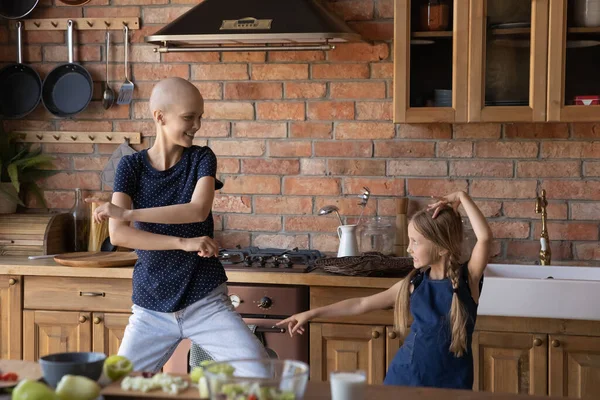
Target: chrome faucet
[{"x": 540, "y": 208}]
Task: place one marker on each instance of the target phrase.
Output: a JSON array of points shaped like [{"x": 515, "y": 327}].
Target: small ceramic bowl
[{"x": 55, "y": 366}]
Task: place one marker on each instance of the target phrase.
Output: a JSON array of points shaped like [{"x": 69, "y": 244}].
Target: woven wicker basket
[{"x": 369, "y": 264}]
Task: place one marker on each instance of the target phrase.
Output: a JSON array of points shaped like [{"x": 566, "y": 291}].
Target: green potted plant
[{"x": 19, "y": 171}]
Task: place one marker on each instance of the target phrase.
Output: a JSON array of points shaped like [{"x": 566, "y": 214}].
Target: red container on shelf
[{"x": 587, "y": 100}]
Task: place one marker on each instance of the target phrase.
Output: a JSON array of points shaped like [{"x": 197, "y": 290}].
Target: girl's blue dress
[{"x": 424, "y": 358}]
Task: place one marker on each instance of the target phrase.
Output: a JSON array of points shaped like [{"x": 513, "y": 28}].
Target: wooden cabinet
[
  {"x": 497, "y": 61},
  {"x": 573, "y": 57},
  {"x": 574, "y": 366},
  {"x": 510, "y": 362},
  {"x": 11, "y": 300},
  {"x": 341, "y": 347},
  {"x": 74, "y": 314},
  {"x": 392, "y": 344},
  {"x": 108, "y": 330},
  {"x": 558, "y": 357},
  {"x": 430, "y": 78},
  {"x": 47, "y": 332},
  {"x": 508, "y": 57}
]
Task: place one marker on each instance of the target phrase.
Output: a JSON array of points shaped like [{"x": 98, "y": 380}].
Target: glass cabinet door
[
  {"x": 508, "y": 44},
  {"x": 573, "y": 60},
  {"x": 430, "y": 60}
]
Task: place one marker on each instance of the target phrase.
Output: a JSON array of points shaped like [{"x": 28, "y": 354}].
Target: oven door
[{"x": 277, "y": 340}]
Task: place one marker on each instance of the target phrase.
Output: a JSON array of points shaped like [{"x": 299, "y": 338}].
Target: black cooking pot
[{"x": 16, "y": 9}]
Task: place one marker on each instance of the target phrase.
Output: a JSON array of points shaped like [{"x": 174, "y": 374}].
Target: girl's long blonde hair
[{"x": 446, "y": 233}]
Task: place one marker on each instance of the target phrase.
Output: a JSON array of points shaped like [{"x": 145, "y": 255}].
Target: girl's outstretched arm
[{"x": 354, "y": 306}]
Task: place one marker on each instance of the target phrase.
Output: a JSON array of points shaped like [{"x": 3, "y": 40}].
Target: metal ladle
[
  {"x": 364, "y": 199},
  {"x": 108, "y": 97},
  {"x": 329, "y": 209}
]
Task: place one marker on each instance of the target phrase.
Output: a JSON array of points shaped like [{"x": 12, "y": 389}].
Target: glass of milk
[{"x": 348, "y": 385}]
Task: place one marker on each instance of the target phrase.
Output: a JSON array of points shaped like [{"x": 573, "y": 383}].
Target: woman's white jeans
[{"x": 151, "y": 337}]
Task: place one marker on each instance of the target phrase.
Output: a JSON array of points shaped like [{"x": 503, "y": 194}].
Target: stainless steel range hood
[{"x": 246, "y": 25}]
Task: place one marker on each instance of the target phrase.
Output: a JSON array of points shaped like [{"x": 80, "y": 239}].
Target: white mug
[{"x": 348, "y": 385}]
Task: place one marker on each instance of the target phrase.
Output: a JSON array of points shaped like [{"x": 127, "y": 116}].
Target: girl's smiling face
[{"x": 420, "y": 249}]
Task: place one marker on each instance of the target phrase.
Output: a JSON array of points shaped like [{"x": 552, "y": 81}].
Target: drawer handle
[
  {"x": 555, "y": 343},
  {"x": 375, "y": 334},
  {"x": 537, "y": 342},
  {"x": 12, "y": 281},
  {"x": 82, "y": 319},
  {"x": 273, "y": 329},
  {"x": 92, "y": 294},
  {"x": 392, "y": 335},
  {"x": 97, "y": 320}
]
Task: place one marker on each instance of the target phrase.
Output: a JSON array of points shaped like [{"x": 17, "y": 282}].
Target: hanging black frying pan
[
  {"x": 20, "y": 86},
  {"x": 16, "y": 9},
  {"x": 68, "y": 88}
]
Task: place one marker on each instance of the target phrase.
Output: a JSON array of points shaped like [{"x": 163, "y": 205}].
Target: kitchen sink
[{"x": 567, "y": 292}]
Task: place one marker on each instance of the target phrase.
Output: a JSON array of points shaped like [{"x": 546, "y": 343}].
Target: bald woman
[{"x": 179, "y": 284}]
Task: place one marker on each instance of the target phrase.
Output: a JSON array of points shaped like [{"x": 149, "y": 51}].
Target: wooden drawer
[
  {"x": 78, "y": 294},
  {"x": 322, "y": 296}
]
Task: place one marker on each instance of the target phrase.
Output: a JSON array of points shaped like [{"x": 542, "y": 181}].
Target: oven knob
[
  {"x": 235, "y": 300},
  {"x": 265, "y": 302}
]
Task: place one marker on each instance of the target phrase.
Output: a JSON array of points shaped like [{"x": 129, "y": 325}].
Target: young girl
[{"x": 440, "y": 295}]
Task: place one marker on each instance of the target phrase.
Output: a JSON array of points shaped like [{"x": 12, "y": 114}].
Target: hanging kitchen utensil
[
  {"x": 20, "y": 85},
  {"x": 68, "y": 88},
  {"x": 75, "y": 2},
  {"x": 16, "y": 9},
  {"x": 110, "y": 170},
  {"x": 363, "y": 202},
  {"x": 108, "y": 97},
  {"x": 329, "y": 209},
  {"x": 126, "y": 92}
]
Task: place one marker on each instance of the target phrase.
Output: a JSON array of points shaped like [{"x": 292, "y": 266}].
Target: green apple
[
  {"x": 196, "y": 374},
  {"x": 72, "y": 387},
  {"x": 116, "y": 367},
  {"x": 29, "y": 389}
]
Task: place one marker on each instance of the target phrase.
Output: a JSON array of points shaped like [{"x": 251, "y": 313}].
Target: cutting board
[
  {"x": 24, "y": 369},
  {"x": 97, "y": 259},
  {"x": 114, "y": 391}
]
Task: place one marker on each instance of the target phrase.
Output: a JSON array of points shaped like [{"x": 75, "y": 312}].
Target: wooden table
[{"x": 320, "y": 391}]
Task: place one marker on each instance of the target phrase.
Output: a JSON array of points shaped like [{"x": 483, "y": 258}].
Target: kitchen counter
[{"x": 21, "y": 265}]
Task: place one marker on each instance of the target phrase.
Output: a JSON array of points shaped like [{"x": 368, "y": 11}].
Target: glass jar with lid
[{"x": 377, "y": 234}]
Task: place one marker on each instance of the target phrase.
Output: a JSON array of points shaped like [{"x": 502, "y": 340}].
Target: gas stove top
[{"x": 255, "y": 259}]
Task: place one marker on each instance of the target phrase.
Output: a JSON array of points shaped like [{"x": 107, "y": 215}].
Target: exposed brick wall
[{"x": 295, "y": 131}]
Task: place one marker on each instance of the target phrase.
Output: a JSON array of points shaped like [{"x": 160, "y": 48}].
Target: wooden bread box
[{"x": 34, "y": 234}]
